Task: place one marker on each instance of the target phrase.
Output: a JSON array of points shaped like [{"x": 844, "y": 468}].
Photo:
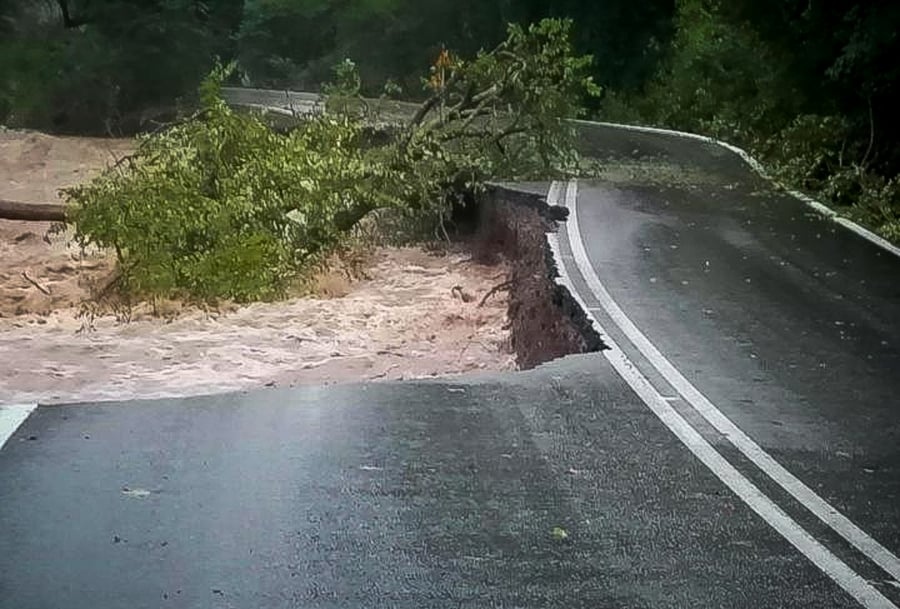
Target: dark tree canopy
[{"x": 92, "y": 65}]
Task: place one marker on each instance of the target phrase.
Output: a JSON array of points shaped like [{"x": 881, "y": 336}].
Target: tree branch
[
  {"x": 35, "y": 212},
  {"x": 506, "y": 285},
  {"x": 35, "y": 283},
  {"x": 865, "y": 158},
  {"x": 432, "y": 101}
]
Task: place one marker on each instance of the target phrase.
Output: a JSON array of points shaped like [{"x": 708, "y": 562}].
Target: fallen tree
[
  {"x": 221, "y": 205},
  {"x": 36, "y": 212}
]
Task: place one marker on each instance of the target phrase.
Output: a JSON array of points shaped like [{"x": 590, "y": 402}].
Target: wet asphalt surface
[
  {"x": 786, "y": 321},
  {"x": 388, "y": 495},
  {"x": 555, "y": 487}
]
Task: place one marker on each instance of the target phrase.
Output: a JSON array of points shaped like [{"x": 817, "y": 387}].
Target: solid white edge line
[
  {"x": 861, "y": 540},
  {"x": 553, "y": 241},
  {"x": 854, "y": 584},
  {"x": 11, "y": 417},
  {"x": 757, "y": 167},
  {"x": 828, "y": 514}
]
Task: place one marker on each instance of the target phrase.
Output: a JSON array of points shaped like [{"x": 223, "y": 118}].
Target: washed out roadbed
[{"x": 415, "y": 314}]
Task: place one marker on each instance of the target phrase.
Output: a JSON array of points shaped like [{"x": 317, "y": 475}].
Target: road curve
[{"x": 774, "y": 327}]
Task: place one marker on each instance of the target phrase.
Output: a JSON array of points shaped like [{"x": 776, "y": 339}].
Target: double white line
[{"x": 853, "y": 583}]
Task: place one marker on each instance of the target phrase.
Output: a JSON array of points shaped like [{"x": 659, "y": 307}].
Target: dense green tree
[
  {"x": 95, "y": 65},
  {"x": 98, "y": 65},
  {"x": 810, "y": 85}
]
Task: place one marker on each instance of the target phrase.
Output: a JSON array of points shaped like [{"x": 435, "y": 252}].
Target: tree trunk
[{"x": 36, "y": 212}]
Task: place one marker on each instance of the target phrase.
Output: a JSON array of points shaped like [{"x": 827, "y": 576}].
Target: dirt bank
[{"x": 545, "y": 322}]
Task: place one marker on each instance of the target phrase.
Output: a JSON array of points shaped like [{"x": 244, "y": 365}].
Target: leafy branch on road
[{"x": 222, "y": 206}]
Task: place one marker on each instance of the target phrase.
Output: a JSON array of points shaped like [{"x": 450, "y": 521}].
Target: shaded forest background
[{"x": 809, "y": 85}]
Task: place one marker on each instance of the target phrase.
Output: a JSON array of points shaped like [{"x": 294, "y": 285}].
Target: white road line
[
  {"x": 10, "y": 419},
  {"x": 854, "y": 584},
  {"x": 861, "y": 540}
]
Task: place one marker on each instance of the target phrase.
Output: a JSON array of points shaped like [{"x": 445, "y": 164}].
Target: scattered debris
[
  {"x": 137, "y": 493},
  {"x": 35, "y": 283},
  {"x": 506, "y": 285},
  {"x": 559, "y": 533},
  {"x": 460, "y": 293}
]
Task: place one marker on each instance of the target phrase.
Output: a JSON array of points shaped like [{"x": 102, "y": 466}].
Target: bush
[
  {"x": 222, "y": 206},
  {"x": 807, "y": 151}
]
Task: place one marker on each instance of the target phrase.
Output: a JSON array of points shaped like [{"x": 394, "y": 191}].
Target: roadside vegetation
[{"x": 809, "y": 87}]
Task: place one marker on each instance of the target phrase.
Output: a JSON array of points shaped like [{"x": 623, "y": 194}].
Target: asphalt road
[
  {"x": 390, "y": 495},
  {"x": 600, "y": 480},
  {"x": 787, "y": 322}
]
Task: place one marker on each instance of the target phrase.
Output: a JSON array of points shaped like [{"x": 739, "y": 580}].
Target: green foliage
[
  {"x": 99, "y": 69},
  {"x": 117, "y": 63},
  {"x": 504, "y": 114},
  {"x": 866, "y": 197},
  {"x": 347, "y": 81},
  {"x": 720, "y": 77},
  {"x": 808, "y": 150},
  {"x": 809, "y": 86},
  {"x": 294, "y": 43},
  {"x": 221, "y": 206}
]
